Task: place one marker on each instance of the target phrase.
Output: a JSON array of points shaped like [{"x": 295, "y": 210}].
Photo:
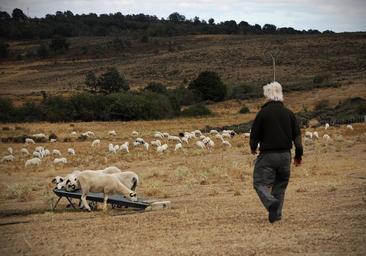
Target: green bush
[
  {"x": 59, "y": 44},
  {"x": 112, "y": 81},
  {"x": 208, "y": 86},
  {"x": 196, "y": 110},
  {"x": 6, "y": 110},
  {"x": 43, "y": 51},
  {"x": 156, "y": 87},
  {"x": 245, "y": 91},
  {"x": 244, "y": 110}
]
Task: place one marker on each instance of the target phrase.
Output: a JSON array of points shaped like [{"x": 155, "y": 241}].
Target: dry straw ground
[{"x": 215, "y": 210}]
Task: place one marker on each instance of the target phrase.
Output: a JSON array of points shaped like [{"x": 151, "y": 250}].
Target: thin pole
[{"x": 274, "y": 67}]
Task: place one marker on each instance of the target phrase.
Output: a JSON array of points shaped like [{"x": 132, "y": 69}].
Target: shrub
[
  {"x": 196, "y": 110},
  {"x": 6, "y": 110},
  {"x": 4, "y": 52},
  {"x": 91, "y": 81},
  {"x": 244, "y": 110},
  {"x": 112, "y": 81},
  {"x": 59, "y": 44},
  {"x": 321, "y": 105},
  {"x": 208, "y": 86},
  {"x": 245, "y": 91},
  {"x": 156, "y": 87},
  {"x": 43, "y": 51}
]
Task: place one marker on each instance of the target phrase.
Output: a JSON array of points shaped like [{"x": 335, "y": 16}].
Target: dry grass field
[{"x": 215, "y": 210}]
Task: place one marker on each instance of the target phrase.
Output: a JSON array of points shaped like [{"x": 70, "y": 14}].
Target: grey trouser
[{"x": 272, "y": 170}]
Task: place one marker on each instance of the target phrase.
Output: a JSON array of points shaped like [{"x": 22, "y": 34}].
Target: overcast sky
[{"x": 336, "y": 15}]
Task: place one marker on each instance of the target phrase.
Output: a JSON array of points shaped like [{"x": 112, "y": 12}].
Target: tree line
[{"x": 18, "y": 26}]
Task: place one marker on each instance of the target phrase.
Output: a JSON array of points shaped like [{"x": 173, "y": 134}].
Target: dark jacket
[{"x": 275, "y": 128}]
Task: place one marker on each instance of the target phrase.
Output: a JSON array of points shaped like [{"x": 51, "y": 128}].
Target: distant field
[{"x": 341, "y": 58}]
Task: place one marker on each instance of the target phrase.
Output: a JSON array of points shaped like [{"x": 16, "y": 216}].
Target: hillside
[{"x": 337, "y": 58}]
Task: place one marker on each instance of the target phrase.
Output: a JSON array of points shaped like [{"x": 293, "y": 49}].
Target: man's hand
[
  {"x": 297, "y": 162},
  {"x": 254, "y": 152}
]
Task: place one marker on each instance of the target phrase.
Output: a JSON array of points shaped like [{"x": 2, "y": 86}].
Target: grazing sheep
[
  {"x": 39, "y": 136},
  {"x": 165, "y": 134},
  {"x": 124, "y": 147},
  {"x": 112, "y": 133},
  {"x": 39, "y": 149},
  {"x": 127, "y": 178},
  {"x": 210, "y": 144},
  {"x": 226, "y": 135},
  {"x": 326, "y": 126},
  {"x": 350, "y": 127},
  {"x": 10, "y": 150},
  {"x": 33, "y": 161},
  {"x": 71, "y": 151},
  {"x": 116, "y": 147},
  {"x": 135, "y": 134},
  {"x": 8, "y": 158},
  {"x": 73, "y": 134},
  {"x": 316, "y": 135},
  {"x": 197, "y": 133},
  {"x": 162, "y": 148},
  {"x": 202, "y": 137},
  {"x": 308, "y": 135},
  {"x": 327, "y": 138},
  {"x": 156, "y": 143},
  {"x": 111, "y": 148},
  {"x": 174, "y": 138},
  {"x": 62, "y": 160},
  {"x": 140, "y": 141},
  {"x": 28, "y": 140},
  {"x": 24, "y": 151},
  {"x": 226, "y": 143},
  {"x": 53, "y": 140},
  {"x": 56, "y": 152},
  {"x": 46, "y": 152},
  {"x": 100, "y": 182},
  {"x": 178, "y": 146},
  {"x": 200, "y": 144},
  {"x": 214, "y": 132},
  {"x": 159, "y": 135},
  {"x": 88, "y": 134},
  {"x": 219, "y": 136},
  {"x": 37, "y": 154},
  {"x": 95, "y": 143}
]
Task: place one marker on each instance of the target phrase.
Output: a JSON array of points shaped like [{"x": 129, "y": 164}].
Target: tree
[
  {"x": 4, "y": 52},
  {"x": 208, "y": 86},
  {"x": 91, "y": 81},
  {"x": 269, "y": 29},
  {"x": 176, "y": 17},
  {"x": 4, "y": 15},
  {"x": 59, "y": 44},
  {"x": 112, "y": 81},
  {"x": 211, "y": 21},
  {"x": 18, "y": 14}
]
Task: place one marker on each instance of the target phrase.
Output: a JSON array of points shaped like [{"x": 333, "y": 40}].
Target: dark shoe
[{"x": 273, "y": 216}]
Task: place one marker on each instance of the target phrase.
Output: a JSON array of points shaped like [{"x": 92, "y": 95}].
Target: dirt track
[{"x": 219, "y": 214}]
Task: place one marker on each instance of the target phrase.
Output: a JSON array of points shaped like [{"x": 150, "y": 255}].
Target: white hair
[{"x": 273, "y": 91}]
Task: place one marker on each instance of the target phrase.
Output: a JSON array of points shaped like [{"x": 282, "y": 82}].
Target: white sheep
[
  {"x": 37, "y": 154},
  {"x": 226, "y": 135},
  {"x": 95, "y": 143},
  {"x": 56, "y": 152},
  {"x": 112, "y": 133},
  {"x": 202, "y": 137},
  {"x": 53, "y": 140},
  {"x": 124, "y": 147},
  {"x": 111, "y": 148},
  {"x": 71, "y": 151},
  {"x": 185, "y": 139},
  {"x": 226, "y": 143},
  {"x": 162, "y": 148},
  {"x": 178, "y": 146},
  {"x": 165, "y": 134},
  {"x": 350, "y": 127},
  {"x": 140, "y": 141},
  {"x": 197, "y": 133},
  {"x": 62, "y": 160},
  {"x": 88, "y": 134},
  {"x": 46, "y": 152},
  {"x": 174, "y": 138},
  {"x": 100, "y": 182},
  {"x": 10, "y": 150},
  {"x": 73, "y": 134},
  {"x": 158, "y": 135},
  {"x": 39, "y": 149},
  {"x": 29, "y": 140},
  {"x": 210, "y": 144},
  {"x": 156, "y": 143},
  {"x": 24, "y": 151},
  {"x": 326, "y": 126},
  {"x": 8, "y": 158},
  {"x": 219, "y": 136},
  {"x": 33, "y": 161},
  {"x": 214, "y": 132},
  {"x": 327, "y": 138},
  {"x": 315, "y": 135},
  {"x": 39, "y": 136},
  {"x": 200, "y": 144},
  {"x": 308, "y": 135},
  {"x": 135, "y": 134}
]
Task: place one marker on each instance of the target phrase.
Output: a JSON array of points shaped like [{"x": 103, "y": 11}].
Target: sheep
[
  {"x": 71, "y": 151},
  {"x": 202, "y": 137},
  {"x": 100, "y": 182},
  {"x": 185, "y": 139},
  {"x": 88, "y": 134},
  {"x": 124, "y": 147},
  {"x": 174, "y": 138},
  {"x": 210, "y": 144},
  {"x": 95, "y": 143},
  {"x": 127, "y": 178},
  {"x": 39, "y": 136},
  {"x": 206, "y": 140},
  {"x": 111, "y": 148},
  {"x": 350, "y": 127},
  {"x": 189, "y": 135},
  {"x": 219, "y": 136},
  {"x": 39, "y": 149},
  {"x": 162, "y": 148},
  {"x": 33, "y": 161},
  {"x": 135, "y": 134},
  {"x": 28, "y": 140},
  {"x": 197, "y": 132},
  {"x": 8, "y": 158},
  {"x": 226, "y": 135},
  {"x": 308, "y": 135},
  {"x": 159, "y": 135},
  {"x": 226, "y": 143},
  {"x": 57, "y": 180},
  {"x": 140, "y": 141},
  {"x": 73, "y": 134},
  {"x": 178, "y": 146},
  {"x": 46, "y": 152},
  {"x": 53, "y": 140},
  {"x": 24, "y": 151},
  {"x": 214, "y": 132},
  {"x": 165, "y": 134},
  {"x": 37, "y": 154},
  {"x": 326, "y": 126},
  {"x": 112, "y": 133},
  {"x": 62, "y": 160},
  {"x": 315, "y": 135},
  {"x": 327, "y": 138},
  {"x": 56, "y": 152},
  {"x": 116, "y": 147},
  {"x": 200, "y": 144},
  {"x": 156, "y": 143},
  {"x": 10, "y": 150}
]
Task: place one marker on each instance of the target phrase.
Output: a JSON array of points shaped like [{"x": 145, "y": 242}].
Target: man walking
[{"x": 273, "y": 130}]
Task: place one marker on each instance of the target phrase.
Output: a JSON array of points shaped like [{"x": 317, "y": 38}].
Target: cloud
[{"x": 337, "y": 15}]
